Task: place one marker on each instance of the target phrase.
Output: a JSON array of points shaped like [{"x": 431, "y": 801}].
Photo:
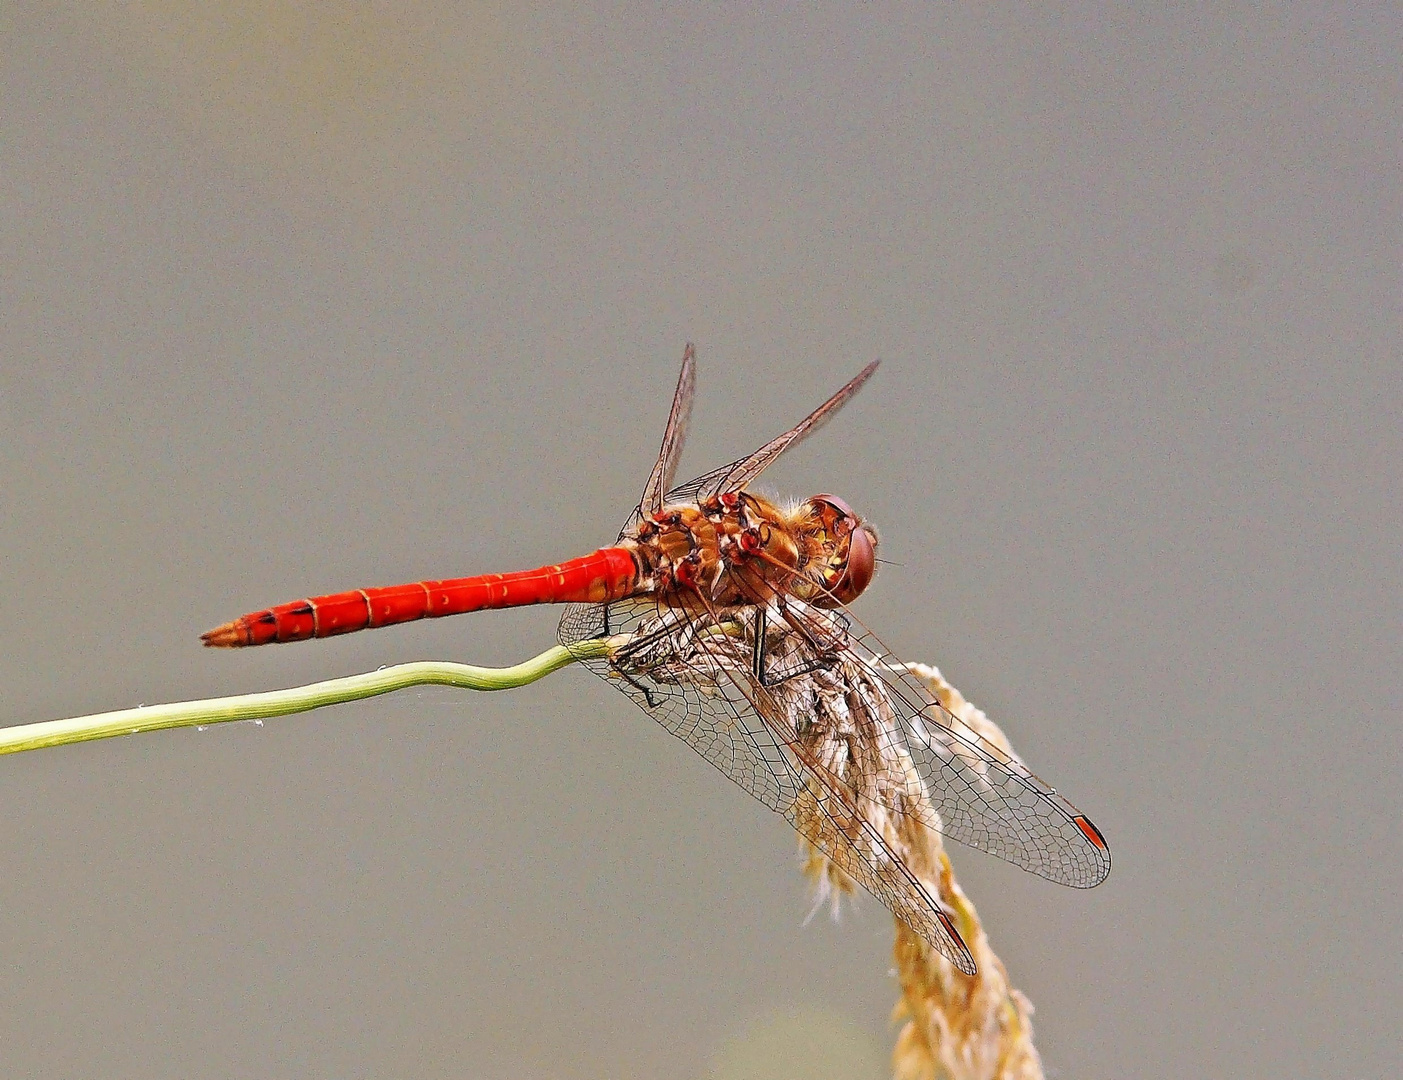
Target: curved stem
[{"x": 296, "y": 699}]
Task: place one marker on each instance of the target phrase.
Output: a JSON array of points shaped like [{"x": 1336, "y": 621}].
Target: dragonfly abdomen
[{"x": 609, "y": 574}]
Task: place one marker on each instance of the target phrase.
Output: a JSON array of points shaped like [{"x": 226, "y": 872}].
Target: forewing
[
  {"x": 683, "y": 687},
  {"x": 696, "y": 687},
  {"x": 674, "y": 435},
  {"x": 738, "y": 474},
  {"x": 984, "y": 795},
  {"x": 747, "y": 469}
]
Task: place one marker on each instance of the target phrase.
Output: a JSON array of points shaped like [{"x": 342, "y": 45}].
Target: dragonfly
[{"x": 727, "y": 618}]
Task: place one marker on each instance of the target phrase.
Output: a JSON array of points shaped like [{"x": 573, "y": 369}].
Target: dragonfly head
[{"x": 848, "y": 550}]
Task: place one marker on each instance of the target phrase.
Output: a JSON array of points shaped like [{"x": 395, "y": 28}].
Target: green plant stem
[{"x": 294, "y": 700}]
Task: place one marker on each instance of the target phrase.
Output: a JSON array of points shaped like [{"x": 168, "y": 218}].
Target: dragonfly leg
[
  {"x": 757, "y": 654},
  {"x": 627, "y": 655},
  {"x": 647, "y": 694},
  {"x": 822, "y": 662}
]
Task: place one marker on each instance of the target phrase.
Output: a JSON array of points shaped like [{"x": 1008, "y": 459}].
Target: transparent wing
[
  {"x": 738, "y": 474},
  {"x": 976, "y": 792},
  {"x": 747, "y": 469},
  {"x": 666, "y": 670},
  {"x": 855, "y": 846},
  {"x": 982, "y": 794},
  {"x": 674, "y": 435},
  {"x": 689, "y": 673}
]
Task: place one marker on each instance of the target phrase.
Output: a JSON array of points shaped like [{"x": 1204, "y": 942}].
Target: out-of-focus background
[{"x": 299, "y": 298}]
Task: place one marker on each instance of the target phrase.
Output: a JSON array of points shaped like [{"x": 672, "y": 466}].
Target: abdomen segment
[{"x": 609, "y": 574}]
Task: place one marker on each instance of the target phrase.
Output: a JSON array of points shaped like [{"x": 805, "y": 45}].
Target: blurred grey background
[{"x": 299, "y": 298}]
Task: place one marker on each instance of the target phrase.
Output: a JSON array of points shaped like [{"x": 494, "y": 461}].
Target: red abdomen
[{"x": 608, "y": 574}]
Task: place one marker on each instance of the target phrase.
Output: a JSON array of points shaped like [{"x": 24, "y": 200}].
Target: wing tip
[
  {"x": 962, "y": 958},
  {"x": 1091, "y": 832},
  {"x": 858, "y": 381},
  {"x": 1100, "y": 849}
]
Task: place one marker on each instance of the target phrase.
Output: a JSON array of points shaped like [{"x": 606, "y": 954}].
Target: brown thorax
[{"x": 737, "y": 548}]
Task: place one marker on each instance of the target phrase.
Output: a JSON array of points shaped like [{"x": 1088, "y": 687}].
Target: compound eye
[
  {"x": 861, "y": 565},
  {"x": 838, "y": 504}
]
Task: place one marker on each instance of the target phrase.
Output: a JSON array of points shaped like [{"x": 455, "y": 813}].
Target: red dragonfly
[{"x": 727, "y": 619}]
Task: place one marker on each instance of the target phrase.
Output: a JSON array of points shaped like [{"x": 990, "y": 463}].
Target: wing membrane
[
  {"x": 688, "y": 673},
  {"x": 738, "y": 474},
  {"x": 979, "y": 794},
  {"x": 674, "y": 435},
  {"x": 983, "y": 795},
  {"x": 742, "y": 472}
]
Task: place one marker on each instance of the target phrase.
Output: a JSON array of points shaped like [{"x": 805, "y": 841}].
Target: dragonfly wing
[
  {"x": 852, "y": 844},
  {"x": 844, "y": 819},
  {"x": 689, "y": 696},
  {"x": 738, "y": 474},
  {"x": 693, "y": 678},
  {"x": 991, "y": 801},
  {"x": 746, "y": 470},
  {"x": 976, "y": 791},
  {"x": 704, "y": 486},
  {"x": 674, "y": 435},
  {"x": 983, "y": 793}
]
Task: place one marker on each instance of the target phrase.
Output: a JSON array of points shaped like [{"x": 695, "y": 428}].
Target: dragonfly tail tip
[{"x": 223, "y": 637}]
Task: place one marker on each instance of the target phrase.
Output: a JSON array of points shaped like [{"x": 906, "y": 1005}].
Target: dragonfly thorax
[{"x": 737, "y": 548}]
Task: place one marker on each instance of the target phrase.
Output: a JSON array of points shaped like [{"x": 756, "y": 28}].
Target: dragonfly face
[{"x": 847, "y": 556}]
